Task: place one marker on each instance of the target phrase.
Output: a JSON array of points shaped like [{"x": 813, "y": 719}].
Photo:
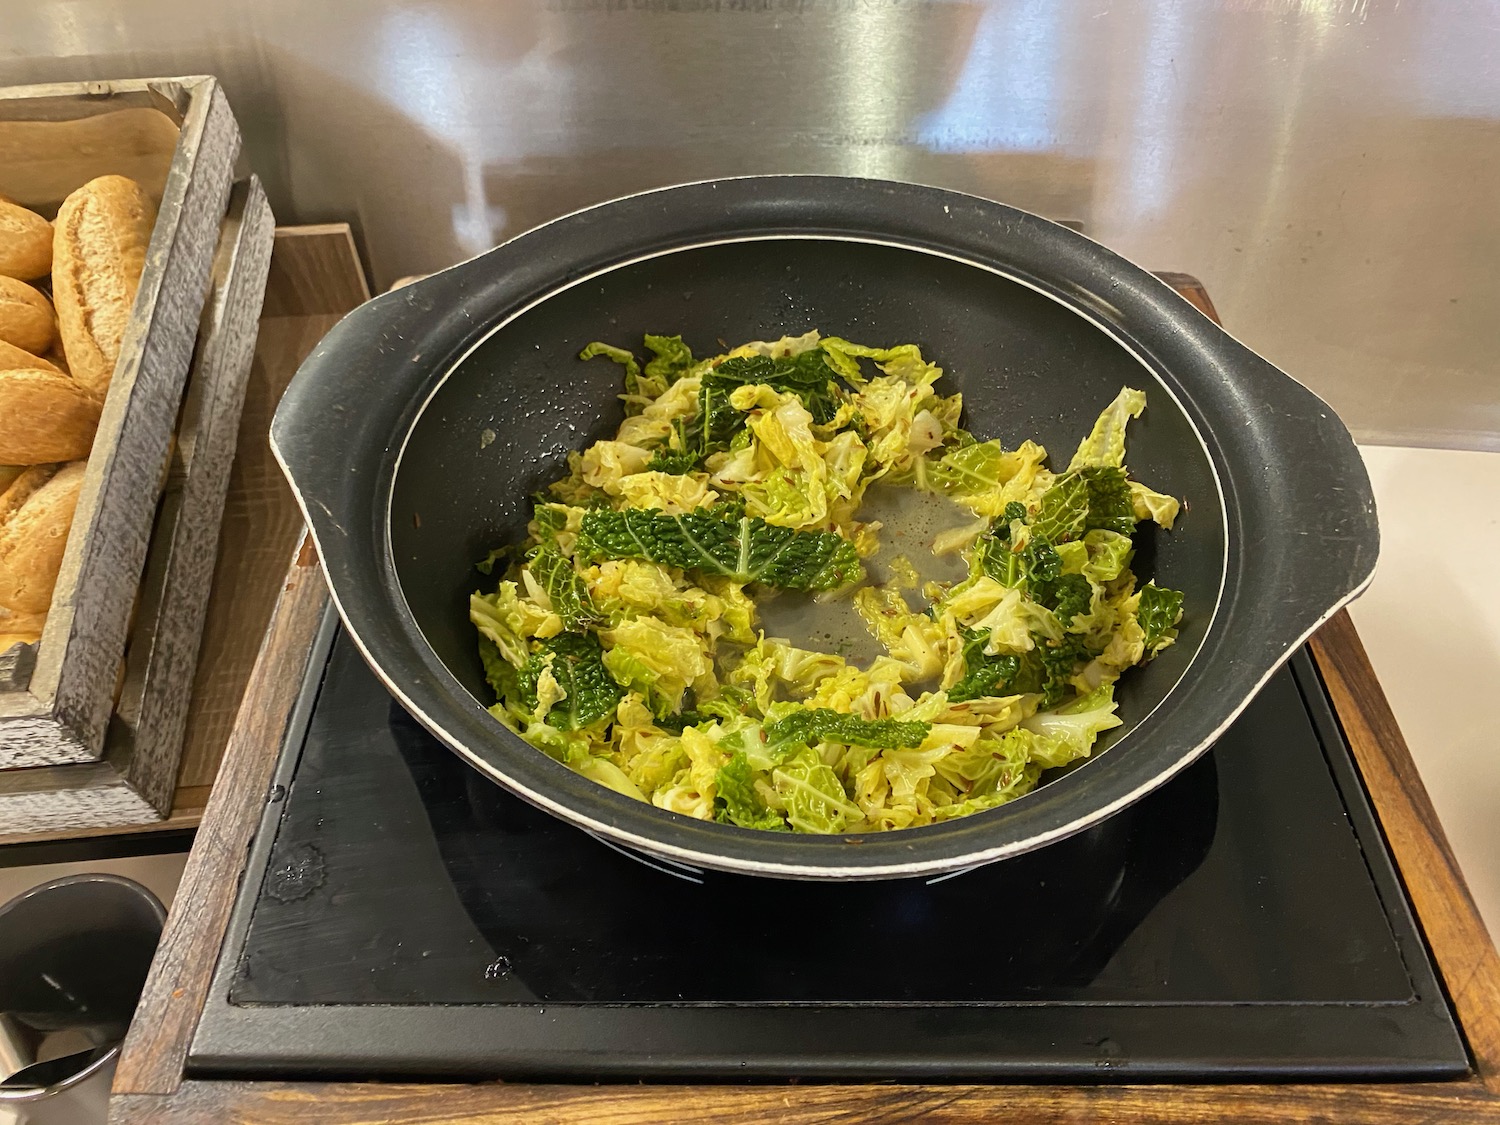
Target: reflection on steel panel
[{"x": 1328, "y": 167}]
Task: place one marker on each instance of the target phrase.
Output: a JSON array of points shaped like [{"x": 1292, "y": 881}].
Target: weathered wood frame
[
  {"x": 315, "y": 278},
  {"x": 56, "y": 709}
]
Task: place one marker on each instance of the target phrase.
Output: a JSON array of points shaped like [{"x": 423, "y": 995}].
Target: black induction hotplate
[{"x": 403, "y": 916}]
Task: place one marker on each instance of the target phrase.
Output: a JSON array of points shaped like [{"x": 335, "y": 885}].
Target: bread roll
[
  {"x": 44, "y": 417},
  {"x": 98, "y": 252},
  {"x": 20, "y": 628},
  {"x": 33, "y": 537},
  {"x": 26, "y": 318},
  {"x": 13, "y": 498},
  {"x": 21, "y": 487},
  {"x": 25, "y": 242},
  {"x": 12, "y": 356},
  {"x": 8, "y": 475}
]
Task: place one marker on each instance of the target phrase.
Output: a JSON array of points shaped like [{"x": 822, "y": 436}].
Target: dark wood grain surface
[
  {"x": 149, "y": 1086},
  {"x": 495, "y": 1103},
  {"x": 317, "y": 274},
  {"x": 173, "y": 999}
]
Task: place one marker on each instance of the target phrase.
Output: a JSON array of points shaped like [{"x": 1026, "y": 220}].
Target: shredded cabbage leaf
[
  {"x": 747, "y": 549},
  {"x": 822, "y": 724},
  {"x": 624, "y": 636}
]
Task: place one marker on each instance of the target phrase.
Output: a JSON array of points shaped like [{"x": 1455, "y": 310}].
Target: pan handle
[
  {"x": 352, "y": 392},
  {"x": 1296, "y": 486},
  {"x": 1309, "y": 533}
]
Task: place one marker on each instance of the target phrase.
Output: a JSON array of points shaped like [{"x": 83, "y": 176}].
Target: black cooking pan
[{"x": 417, "y": 430}]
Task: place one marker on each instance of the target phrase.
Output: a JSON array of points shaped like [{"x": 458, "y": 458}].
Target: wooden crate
[
  {"x": 315, "y": 278},
  {"x": 134, "y": 779},
  {"x": 177, "y": 137}
]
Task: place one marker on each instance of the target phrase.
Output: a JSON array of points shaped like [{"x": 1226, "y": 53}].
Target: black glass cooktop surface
[{"x": 404, "y": 916}]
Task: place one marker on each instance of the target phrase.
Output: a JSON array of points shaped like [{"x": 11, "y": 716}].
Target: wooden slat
[
  {"x": 372, "y": 1103},
  {"x": 42, "y": 161},
  {"x": 173, "y": 998},
  {"x": 1192, "y": 289},
  {"x": 162, "y": 656},
  {"x": 187, "y": 812},
  {"x": 315, "y": 279},
  {"x": 188, "y": 803}
]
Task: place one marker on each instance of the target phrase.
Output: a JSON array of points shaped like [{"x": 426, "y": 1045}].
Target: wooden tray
[
  {"x": 180, "y": 694},
  {"x": 150, "y": 1085},
  {"x": 55, "y": 708}
]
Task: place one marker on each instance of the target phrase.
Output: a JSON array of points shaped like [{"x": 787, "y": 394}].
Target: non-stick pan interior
[{"x": 502, "y": 424}]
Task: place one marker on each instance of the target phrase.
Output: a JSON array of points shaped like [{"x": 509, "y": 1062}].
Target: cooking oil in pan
[{"x": 910, "y": 520}]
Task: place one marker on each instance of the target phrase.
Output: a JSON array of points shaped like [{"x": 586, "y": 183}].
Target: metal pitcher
[{"x": 74, "y": 953}]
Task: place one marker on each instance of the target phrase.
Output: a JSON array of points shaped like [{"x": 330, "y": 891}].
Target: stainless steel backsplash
[{"x": 1328, "y": 167}]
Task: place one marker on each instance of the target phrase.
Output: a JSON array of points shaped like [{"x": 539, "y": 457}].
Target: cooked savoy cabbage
[{"x": 624, "y": 640}]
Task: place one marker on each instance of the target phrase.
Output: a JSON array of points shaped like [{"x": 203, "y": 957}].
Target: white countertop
[{"x": 1431, "y": 624}]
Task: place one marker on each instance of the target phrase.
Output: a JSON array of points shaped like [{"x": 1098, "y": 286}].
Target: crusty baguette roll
[
  {"x": 25, "y": 242},
  {"x": 12, "y": 356},
  {"x": 33, "y": 537},
  {"x": 8, "y": 475},
  {"x": 19, "y": 490},
  {"x": 44, "y": 417},
  {"x": 98, "y": 252},
  {"x": 20, "y": 628},
  {"x": 26, "y": 318}
]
